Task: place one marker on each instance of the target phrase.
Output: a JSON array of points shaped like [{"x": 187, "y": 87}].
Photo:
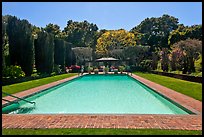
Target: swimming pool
[{"x": 98, "y": 94}]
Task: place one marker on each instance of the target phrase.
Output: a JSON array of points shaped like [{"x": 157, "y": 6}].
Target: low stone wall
[{"x": 180, "y": 76}]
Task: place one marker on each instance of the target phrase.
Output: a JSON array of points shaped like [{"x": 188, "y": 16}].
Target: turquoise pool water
[{"x": 98, "y": 94}]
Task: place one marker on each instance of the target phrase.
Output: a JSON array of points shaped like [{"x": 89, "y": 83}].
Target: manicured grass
[
  {"x": 14, "y": 88},
  {"x": 191, "y": 89},
  {"x": 82, "y": 131}
]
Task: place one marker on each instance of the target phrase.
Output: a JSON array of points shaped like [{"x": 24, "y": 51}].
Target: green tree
[
  {"x": 96, "y": 35},
  {"x": 21, "y": 47},
  {"x": 59, "y": 53},
  {"x": 59, "y": 44},
  {"x": 83, "y": 54},
  {"x": 155, "y": 58},
  {"x": 54, "y": 29},
  {"x": 114, "y": 39},
  {"x": 164, "y": 59},
  {"x": 80, "y": 34},
  {"x": 154, "y": 32},
  {"x": 136, "y": 54},
  {"x": 117, "y": 53},
  {"x": 193, "y": 32},
  {"x": 5, "y": 45},
  {"x": 185, "y": 32},
  {"x": 198, "y": 64},
  {"x": 44, "y": 52},
  {"x": 70, "y": 58},
  {"x": 35, "y": 30}
]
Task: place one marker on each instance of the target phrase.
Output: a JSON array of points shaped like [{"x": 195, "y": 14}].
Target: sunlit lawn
[
  {"x": 191, "y": 89},
  {"x": 82, "y": 131},
  {"x": 14, "y": 88}
]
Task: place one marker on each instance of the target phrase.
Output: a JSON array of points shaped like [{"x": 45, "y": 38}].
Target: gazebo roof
[{"x": 107, "y": 59}]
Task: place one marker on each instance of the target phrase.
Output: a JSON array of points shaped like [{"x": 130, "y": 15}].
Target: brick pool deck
[{"x": 134, "y": 121}]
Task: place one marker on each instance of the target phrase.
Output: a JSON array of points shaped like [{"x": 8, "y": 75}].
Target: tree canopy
[
  {"x": 80, "y": 34},
  {"x": 21, "y": 46},
  {"x": 114, "y": 39},
  {"x": 44, "y": 52},
  {"x": 186, "y": 52},
  {"x": 154, "y": 31},
  {"x": 55, "y": 30},
  {"x": 155, "y": 41},
  {"x": 185, "y": 32}
]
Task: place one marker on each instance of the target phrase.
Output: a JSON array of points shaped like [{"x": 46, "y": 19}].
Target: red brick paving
[
  {"x": 139, "y": 121},
  {"x": 135, "y": 121}
]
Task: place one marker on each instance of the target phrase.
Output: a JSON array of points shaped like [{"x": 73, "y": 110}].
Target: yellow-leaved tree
[{"x": 114, "y": 39}]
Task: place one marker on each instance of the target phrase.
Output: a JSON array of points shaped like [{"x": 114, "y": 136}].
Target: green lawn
[
  {"x": 191, "y": 89},
  {"x": 83, "y": 131},
  {"x": 14, "y": 88}
]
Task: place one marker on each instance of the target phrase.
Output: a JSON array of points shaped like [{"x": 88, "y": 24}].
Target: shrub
[
  {"x": 127, "y": 68},
  {"x": 53, "y": 74},
  {"x": 146, "y": 65},
  {"x": 34, "y": 70},
  {"x": 106, "y": 69},
  {"x": 121, "y": 68},
  {"x": 133, "y": 67},
  {"x": 57, "y": 69},
  {"x": 115, "y": 71},
  {"x": 96, "y": 71},
  {"x": 13, "y": 72},
  {"x": 198, "y": 64},
  {"x": 74, "y": 68},
  {"x": 90, "y": 69},
  {"x": 35, "y": 75}
]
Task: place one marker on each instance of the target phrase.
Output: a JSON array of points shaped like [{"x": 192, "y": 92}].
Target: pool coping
[{"x": 135, "y": 121}]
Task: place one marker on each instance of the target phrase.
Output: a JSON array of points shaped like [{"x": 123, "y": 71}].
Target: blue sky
[{"x": 106, "y": 15}]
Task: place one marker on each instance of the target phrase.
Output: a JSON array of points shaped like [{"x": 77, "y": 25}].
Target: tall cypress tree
[
  {"x": 21, "y": 46},
  {"x": 3, "y": 42},
  {"x": 59, "y": 52},
  {"x": 44, "y": 52},
  {"x": 70, "y": 58}
]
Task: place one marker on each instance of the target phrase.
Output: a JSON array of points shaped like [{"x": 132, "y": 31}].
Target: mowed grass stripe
[{"x": 82, "y": 131}]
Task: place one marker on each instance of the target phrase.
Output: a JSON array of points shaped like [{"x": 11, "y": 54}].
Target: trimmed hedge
[{"x": 180, "y": 76}]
